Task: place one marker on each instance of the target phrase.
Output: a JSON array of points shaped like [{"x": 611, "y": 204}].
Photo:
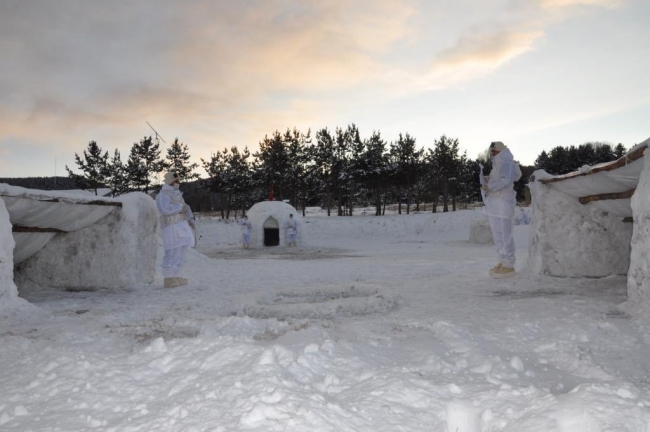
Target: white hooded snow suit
[
  {"x": 246, "y": 229},
  {"x": 500, "y": 204},
  {"x": 291, "y": 227},
  {"x": 177, "y": 234}
]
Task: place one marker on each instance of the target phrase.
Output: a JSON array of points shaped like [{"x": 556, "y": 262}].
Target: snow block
[
  {"x": 569, "y": 239},
  {"x": 481, "y": 232},
  {"x": 118, "y": 251},
  {"x": 8, "y": 290},
  {"x": 638, "y": 279}
]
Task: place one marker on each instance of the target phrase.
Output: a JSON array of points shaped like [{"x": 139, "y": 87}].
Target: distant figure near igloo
[{"x": 269, "y": 224}]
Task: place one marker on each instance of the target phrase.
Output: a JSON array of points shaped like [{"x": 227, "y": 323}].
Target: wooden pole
[
  {"x": 607, "y": 196},
  {"x": 23, "y": 229},
  {"x": 96, "y": 202}
]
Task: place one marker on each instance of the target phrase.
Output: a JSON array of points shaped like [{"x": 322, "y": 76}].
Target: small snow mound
[
  {"x": 157, "y": 345},
  {"x": 324, "y": 302},
  {"x": 462, "y": 417}
]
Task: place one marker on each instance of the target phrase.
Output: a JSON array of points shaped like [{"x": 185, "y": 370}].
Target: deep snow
[{"x": 381, "y": 324}]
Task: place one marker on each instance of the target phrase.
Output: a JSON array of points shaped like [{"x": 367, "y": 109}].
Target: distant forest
[{"x": 42, "y": 183}]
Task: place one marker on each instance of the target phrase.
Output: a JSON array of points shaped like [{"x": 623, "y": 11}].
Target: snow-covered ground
[{"x": 376, "y": 324}]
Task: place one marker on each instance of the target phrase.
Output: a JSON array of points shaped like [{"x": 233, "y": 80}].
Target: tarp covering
[
  {"x": 621, "y": 179},
  {"x": 58, "y": 210}
]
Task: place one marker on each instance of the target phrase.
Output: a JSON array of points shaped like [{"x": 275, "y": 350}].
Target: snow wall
[
  {"x": 481, "y": 232},
  {"x": 280, "y": 211},
  {"x": 569, "y": 239},
  {"x": 638, "y": 280},
  {"x": 116, "y": 252},
  {"x": 8, "y": 291}
]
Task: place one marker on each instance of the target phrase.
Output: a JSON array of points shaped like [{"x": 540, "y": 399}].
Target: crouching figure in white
[
  {"x": 246, "y": 229},
  {"x": 291, "y": 229},
  {"x": 500, "y": 205},
  {"x": 177, "y": 223}
]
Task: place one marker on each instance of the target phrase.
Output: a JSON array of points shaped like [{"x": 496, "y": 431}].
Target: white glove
[
  {"x": 184, "y": 209},
  {"x": 192, "y": 223},
  {"x": 486, "y": 189}
]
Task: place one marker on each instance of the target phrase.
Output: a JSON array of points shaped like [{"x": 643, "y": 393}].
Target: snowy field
[{"x": 374, "y": 324}]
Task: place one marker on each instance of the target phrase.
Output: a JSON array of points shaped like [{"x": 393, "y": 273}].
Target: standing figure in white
[
  {"x": 176, "y": 223},
  {"x": 246, "y": 229},
  {"x": 291, "y": 229},
  {"x": 500, "y": 203}
]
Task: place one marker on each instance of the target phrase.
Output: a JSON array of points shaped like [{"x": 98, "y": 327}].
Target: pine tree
[
  {"x": 405, "y": 157},
  {"x": 118, "y": 180},
  {"x": 620, "y": 151},
  {"x": 446, "y": 161},
  {"x": 324, "y": 158},
  {"x": 272, "y": 164},
  {"x": 178, "y": 159},
  {"x": 144, "y": 162},
  {"x": 94, "y": 167}
]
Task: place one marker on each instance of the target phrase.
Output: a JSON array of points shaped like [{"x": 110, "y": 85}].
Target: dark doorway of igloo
[
  {"x": 271, "y": 237},
  {"x": 271, "y": 232}
]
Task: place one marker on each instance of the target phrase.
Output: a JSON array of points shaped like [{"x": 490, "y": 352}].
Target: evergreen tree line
[
  {"x": 563, "y": 160},
  {"x": 99, "y": 169},
  {"x": 334, "y": 169},
  {"x": 337, "y": 170}
]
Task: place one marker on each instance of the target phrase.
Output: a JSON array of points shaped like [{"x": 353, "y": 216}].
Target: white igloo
[{"x": 268, "y": 219}]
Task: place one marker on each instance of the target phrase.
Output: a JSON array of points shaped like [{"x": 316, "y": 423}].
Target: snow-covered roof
[
  {"x": 37, "y": 216},
  {"x": 591, "y": 183}
]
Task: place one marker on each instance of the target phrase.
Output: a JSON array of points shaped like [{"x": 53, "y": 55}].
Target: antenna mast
[{"x": 156, "y": 132}]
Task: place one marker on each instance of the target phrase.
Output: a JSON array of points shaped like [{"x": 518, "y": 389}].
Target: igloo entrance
[{"x": 271, "y": 232}]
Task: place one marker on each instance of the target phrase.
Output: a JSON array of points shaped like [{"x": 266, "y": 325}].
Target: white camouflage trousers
[
  {"x": 173, "y": 261},
  {"x": 502, "y": 232}
]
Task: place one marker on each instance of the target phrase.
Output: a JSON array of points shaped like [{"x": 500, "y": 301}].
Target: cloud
[
  {"x": 567, "y": 3},
  {"x": 192, "y": 65},
  {"x": 487, "y": 44}
]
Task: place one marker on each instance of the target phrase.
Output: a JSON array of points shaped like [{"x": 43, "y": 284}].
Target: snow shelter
[
  {"x": 595, "y": 222},
  {"x": 75, "y": 241},
  {"x": 268, "y": 219}
]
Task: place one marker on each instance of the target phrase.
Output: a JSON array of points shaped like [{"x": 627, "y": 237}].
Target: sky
[{"x": 534, "y": 74}]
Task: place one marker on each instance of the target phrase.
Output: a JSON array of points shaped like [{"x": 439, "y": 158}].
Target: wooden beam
[
  {"x": 23, "y": 229},
  {"x": 625, "y": 160},
  {"x": 95, "y": 202},
  {"x": 628, "y": 219},
  {"x": 607, "y": 196}
]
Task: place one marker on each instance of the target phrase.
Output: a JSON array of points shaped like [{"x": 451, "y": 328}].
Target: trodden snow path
[{"x": 394, "y": 327}]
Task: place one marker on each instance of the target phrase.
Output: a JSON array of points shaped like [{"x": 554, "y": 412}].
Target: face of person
[{"x": 493, "y": 152}]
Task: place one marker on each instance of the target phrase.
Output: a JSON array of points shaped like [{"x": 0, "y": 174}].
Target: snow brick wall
[
  {"x": 573, "y": 240},
  {"x": 8, "y": 291},
  {"x": 638, "y": 280},
  {"x": 116, "y": 252}
]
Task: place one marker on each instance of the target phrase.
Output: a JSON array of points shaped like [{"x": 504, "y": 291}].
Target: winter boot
[
  {"x": 495, "y": 268},
  {"x": 171, "y": 282},
  {"x": 504, "y": 272},
  {"x": 181, "y": 281}
]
